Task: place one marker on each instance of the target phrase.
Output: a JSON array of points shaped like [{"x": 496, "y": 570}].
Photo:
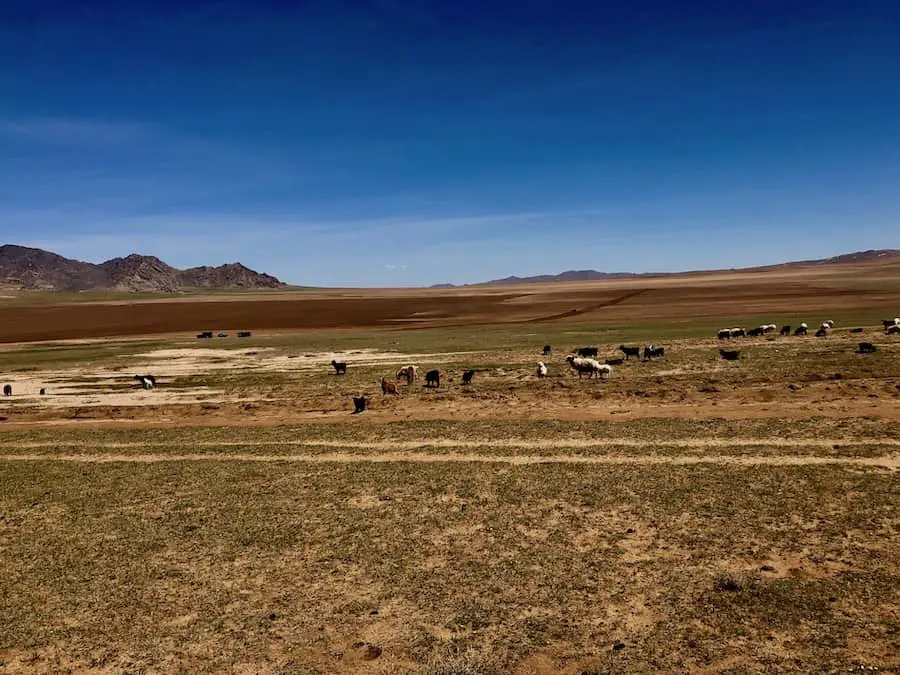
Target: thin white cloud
[{"x": 74, "y": 131}]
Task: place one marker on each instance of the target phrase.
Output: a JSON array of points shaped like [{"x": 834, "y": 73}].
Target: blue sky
[{"x": 396, "y": 143}]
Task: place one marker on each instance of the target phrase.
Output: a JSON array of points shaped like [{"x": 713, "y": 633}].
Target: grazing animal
[
  {"x": 587, "y": 352},
  {"x": 467, "y": 376},
  {"x": 892, "y": 330},
  {"x": 541, "y": 370},
  {"x": 769, "y": 327},
  {"x": 340, "y": 367},
  {"x": 589, "y": 366},
  {"x": 724, "y": 334},
  {"x": 652, "y": 352},
  {"x": 43, "y": 392},
  {"x": 7, "y": 390},
  {"x": 410, "y": 373},
  {"x": 433, "y": 378},
  {"x": 867, "y": 348},
  {"x": 755, "y": 332},
  {"x": 547, "y": 350},
  {"x": 738, "y": 332},
  {"x": 786, "y": 329},
  {"x": 887, "y": 323},
  {"x": 822, "y": 332},
  {"x": 828, "y": 323},
  {"x": 614, "y": 362},
  {"x": 388, "y": 387},
  {"x": 733, "y": 355},
  {"x": 801, "y": 330},
  {"x": 147, "y": 381},
  {"x": 857, "y": 330},
  {"x": 223, "y": 334},
  {"x": 244, "y": 333},
  {"x": 205, "y": 334},
  {"x": 359, "y": 404},
  {"x": 630, "y": 351}
]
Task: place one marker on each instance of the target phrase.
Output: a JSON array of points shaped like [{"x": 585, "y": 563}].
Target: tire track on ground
[
  {"x": 891, "y": 462},
  {"x": 521, "y": 443}
]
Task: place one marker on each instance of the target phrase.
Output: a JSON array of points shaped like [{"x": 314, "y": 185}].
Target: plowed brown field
[{"x": 835, "y": 287}]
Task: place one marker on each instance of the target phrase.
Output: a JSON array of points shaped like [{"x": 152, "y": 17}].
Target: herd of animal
[{"x": 582, "y": 360}]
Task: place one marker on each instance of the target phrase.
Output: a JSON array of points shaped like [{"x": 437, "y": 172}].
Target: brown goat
[{"x": 388, "y": 387}]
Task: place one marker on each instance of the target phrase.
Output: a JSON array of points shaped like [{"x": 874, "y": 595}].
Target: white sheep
[
  {"x": 829, "y": 323},
  {"x": 541, "y": 370},
  {"x": 590, "y": 366},
  {"x": 769, "y": 327}
]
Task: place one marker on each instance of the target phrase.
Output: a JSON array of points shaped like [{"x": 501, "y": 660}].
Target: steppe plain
[{"x": 690, "y": 515}]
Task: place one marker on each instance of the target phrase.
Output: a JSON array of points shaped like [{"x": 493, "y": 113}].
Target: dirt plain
[{"x": 689, "y": 515}]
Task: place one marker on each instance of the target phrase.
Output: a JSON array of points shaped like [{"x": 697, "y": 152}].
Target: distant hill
[
  {"x": 870, "y": 256},
  {"x": 35, "y": 269}
]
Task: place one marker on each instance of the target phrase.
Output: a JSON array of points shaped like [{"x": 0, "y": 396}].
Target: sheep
[
  {"x": 724, "y": 334},
  {"x": 802, "y": 329},
  {"x": 467, "y": 376},
  {"x": 825, "y": 325},
  {"x": 769, "y": 327},
  {"x": 147, "y": 381},
  {"x": 409, "y": 372},
  {"x": 340, "y": 367},
  {"x": 433, "y": 378},
  {"x": 892, "y": 330},
  {"x": 587, "y": 352},
  {"x": 614, "y": 362},
  {"x": 388, "y": 387},
  {"x": 829, "y": 323},
  {"x": 756, "y": 332},
  {"x": 223, "y": 335},
  {"x": 822, "y": 332},
  {"x": 541, "y": 370},
  {"x": 730, "y": 355},
  {"x": 887, "y": 323},
  {"x": 866, "y": 348},
  {"x": 738, "y": 332},
  {"x": 7, "y": 390},
  {"x": 589, "y": 366},
  {"x": 547, "y": 350},
  {"x": 359, "y": 404},
  {"x": 244, "y": 333},
  {"x": 786, "y": 329},
  {"x": 630, "y": 351},
  {"x": 205, "y": 334}
]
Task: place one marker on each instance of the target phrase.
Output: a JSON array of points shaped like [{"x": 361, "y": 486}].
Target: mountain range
[
  {"x": 35, "y": 269},
  {"x": 870, "y": 256}
]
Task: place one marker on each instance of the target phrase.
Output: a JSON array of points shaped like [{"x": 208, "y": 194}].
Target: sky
[{"x": 392, "y": 143}]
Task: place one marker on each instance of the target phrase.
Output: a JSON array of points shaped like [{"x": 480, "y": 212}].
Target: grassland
[{"x": 690, "y": 515}]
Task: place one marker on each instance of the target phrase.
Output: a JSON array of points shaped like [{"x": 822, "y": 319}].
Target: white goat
[
  {"x": 409, "y": 372},
  {"x": 541, "y": 370}
]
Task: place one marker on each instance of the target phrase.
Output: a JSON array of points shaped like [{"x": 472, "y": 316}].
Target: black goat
[
  {"x": 433, "y": 378},
  {"x": 786, "y": 329},
  {"x": 340, "y": 367},
  {"x": 547, "y": 350},
  {"x": 857, "y": 330},
  {"x": 587, "y": 352},
  {"x": 801, "y": 330},
  {"x": 467, "y": 376},
  {"x": 756, "y": 332},
  {"x": 244, "y": 333},
  {"x": 147, "y": 381},
  {"x": 205, "y": 334},
  {"x": 867, "y": 348},
  {"x": 821, "y": 333},
  {"x": 630, "y": 351},
  {"x": 7, "y": 390},
  {"x": 614, "y": 362},
  {"x": 730, "y": 355},
  {"x": 359, "y": 404},
  {"x": 43, "y": 392}
]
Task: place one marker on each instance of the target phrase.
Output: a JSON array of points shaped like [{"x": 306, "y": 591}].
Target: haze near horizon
[{"x": 398, "y": 144}]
